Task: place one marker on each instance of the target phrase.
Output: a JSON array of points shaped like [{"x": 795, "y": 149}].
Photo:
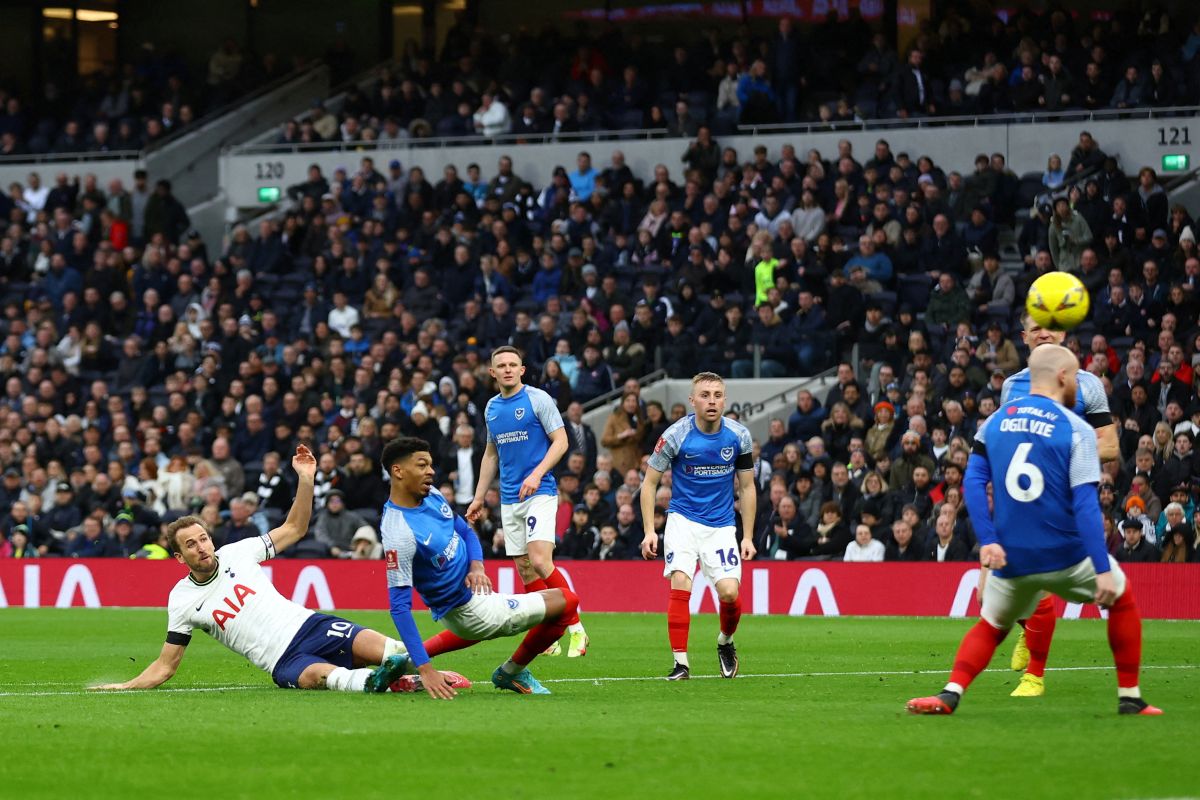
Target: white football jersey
[{"x": 238, "y": 606}]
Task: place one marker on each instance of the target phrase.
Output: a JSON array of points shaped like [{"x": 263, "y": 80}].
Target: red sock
[
  {"x": 446, "y": 642},
  {"x": 679, "y": 619},
  {"x": 731, "y": 612},
  {"x": 975, "y": 652},
  {"x": 535, "y": 585},
  {"x": 1039, "y": 630},
  {"x": 1125, "y": 638},
  {"x": 546, "y": 633},
  {"x": 555, "y": 580}
]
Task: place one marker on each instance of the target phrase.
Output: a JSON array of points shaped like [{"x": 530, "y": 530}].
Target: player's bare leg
[
  {"x": 539, "y": 566},
  {"x": 368, "y": 647},
  {"x": 679, "y": 621},
  {"x": 371, "y": 647},
  {"x": 514, "y": 674},
  {"x": 731, "y": 613}
]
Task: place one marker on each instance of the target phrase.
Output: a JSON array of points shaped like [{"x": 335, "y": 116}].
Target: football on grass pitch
[{"x": 1058, "y": 301}]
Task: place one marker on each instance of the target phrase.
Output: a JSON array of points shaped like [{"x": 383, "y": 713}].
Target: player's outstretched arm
[
  {"x": 487, "y": 473},
  {"x": 436, "y": 684},
  {"x": 161, "y": 670},
  {"x": 646, "y": 501},
  {"x": 747, "y": 507},
  {"x": 296, "y": 525}
]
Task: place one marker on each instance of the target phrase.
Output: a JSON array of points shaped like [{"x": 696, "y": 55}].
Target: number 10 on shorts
[{"x": 728, "y": 558}]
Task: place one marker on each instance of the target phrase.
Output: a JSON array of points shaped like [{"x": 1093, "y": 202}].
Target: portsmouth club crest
[
  {"x": 446, "y": 512},
  {"x": 727, "y": 453},
  {"x": 520, "y": 412}
]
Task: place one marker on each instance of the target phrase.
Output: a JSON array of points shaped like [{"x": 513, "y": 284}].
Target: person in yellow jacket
[
  {"x": 764, "y": 270},
  {"x": 157, "y": 550}
]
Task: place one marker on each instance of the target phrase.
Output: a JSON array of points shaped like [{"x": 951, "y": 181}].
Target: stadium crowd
[
  {"x": 131, "y": 105},
  {"x": 966, "y": 62},
  {"x": 146, "y": 376}
]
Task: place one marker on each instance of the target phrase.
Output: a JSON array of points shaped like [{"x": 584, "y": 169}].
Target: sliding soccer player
[
  {"x": 1046, "y": 533},
  {"x": 430, "y": 549},
  {"x": 707, "y": 454},
  {"x": 227, "y": 595}
]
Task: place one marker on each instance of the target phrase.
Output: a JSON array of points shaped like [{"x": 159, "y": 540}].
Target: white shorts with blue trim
[
  {"x": 1006, "y": 600},
  {"x": 490, "y": 616},
  {"x": 686, "y": 543},
  {"x": 531, "y": 520}
]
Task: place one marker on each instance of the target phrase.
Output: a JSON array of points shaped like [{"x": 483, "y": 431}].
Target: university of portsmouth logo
[
  {"x": 520, "y": 412},
  {"x": 726, "y": 453},
  {"x": 446, "y": 512}
]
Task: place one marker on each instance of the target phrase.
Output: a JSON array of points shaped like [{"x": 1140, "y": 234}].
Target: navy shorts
[{"x": 322, "y": 639}]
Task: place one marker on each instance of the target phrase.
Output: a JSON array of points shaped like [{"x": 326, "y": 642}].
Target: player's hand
[
  {"x": 304, "y": 462},
  {"x": 749, "y": 551},
  {"x": 530, "y": 486},
  {"x": 474, "y": 511},
  {"x": 477, "y": 581},
  {"x": 1106, "y": 590},
  {"x": 437, "y": 685},
  {"x": 992, "y": 556},
  {"x": 650, "y": 546}
]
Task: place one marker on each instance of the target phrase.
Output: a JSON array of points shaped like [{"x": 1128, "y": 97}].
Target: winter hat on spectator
[
  {"x": 1186, "y": 235},
  {"x": 884, "y": 404},
  {"x": 420, "y": 408},
  {"x": 22, "y": 528},
  {"x": 364, "y": 533},
  {"x": 63, "y": 486},
  {"x": 956, "y": 85},
  {"x": 395, "y": 164},
  {"x": 447, "y": 381},
  {"x": 250, "y": 499},
  {"x": 1159, "y": 233},
  {"x": 589, "y": 269},
  {"x": 1135, "y": 502},
  {"x": 123, "y": 518}
]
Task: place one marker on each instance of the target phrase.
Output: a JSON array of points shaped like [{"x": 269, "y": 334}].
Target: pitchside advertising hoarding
[{"x": 795, "y": 589}]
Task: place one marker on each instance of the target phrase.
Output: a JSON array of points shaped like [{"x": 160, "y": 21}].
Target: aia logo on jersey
[
  {"x": 519, "y": 413},
  {"x": 660, "y": 444},
  {"x": 726, "y": 453},
  {"x": 446, "y": 512},
  {"x": 391, "y": 560},
  {"x": 240, "y": 593}
]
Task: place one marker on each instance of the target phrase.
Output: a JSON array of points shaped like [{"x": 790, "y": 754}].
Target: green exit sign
[
  {"x": 1171, "y": 163},
  {"x": 271, "y": 194}
]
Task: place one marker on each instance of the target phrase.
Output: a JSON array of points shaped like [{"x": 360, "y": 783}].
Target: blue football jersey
[
  {"x": 520, "y": 428},
  {"x": 1037, "y": 451},
  {"x": 702, "y": 467},
  {"x": 423, "y": 549},
  {"x": 1091, "y": 401}
]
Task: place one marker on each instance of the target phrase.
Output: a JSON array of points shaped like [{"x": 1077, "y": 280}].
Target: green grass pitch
[{"x": 818, "y": 712}]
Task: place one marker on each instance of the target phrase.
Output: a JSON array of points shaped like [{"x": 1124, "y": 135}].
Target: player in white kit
[{"x": 227, "y": 595}]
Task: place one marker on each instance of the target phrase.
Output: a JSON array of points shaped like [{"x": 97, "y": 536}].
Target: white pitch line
[
  {"x": 621, "y": 679},
  {"x": 179, "y": 690},
  {"x": 862, "y": 673}
]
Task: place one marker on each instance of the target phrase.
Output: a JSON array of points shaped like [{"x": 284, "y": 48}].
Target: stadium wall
[
  {"x": 791, "y": 588},
  {"x": 1138, "y": 142}
]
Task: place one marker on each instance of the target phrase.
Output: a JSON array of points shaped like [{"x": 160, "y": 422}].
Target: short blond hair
[{"x": 705, "y": 377}]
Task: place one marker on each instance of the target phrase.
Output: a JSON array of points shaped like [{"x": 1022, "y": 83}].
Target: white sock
[
  {"x": 1130, "y": 691},
  {"x": 511, "y": 667},
  {"x": 576, "y": 628},
  {"x": 723, "y": 639},
  {"x": 394, "y": 647},
  {"x": 954, "y": 687},
  {"x": 347, "y": 680},
  {"x": 681, "y": 658}
]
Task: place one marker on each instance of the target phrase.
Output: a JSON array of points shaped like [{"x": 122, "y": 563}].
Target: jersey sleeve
[
  {"x": 668, "y": 446},
  {"x": 1095, "y": 400},
  {"x": 399, "y": 548},
  {"x": 979, "y": 444},
  {"x": 257, "y": 549},
  {"x": 546, "y": 411},
  {"x": 1085, "y": 461},
  {"x": 179, "y": 628},
  {"x": 487, "y": 416},
  {"x": 745, "y": 449}
]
